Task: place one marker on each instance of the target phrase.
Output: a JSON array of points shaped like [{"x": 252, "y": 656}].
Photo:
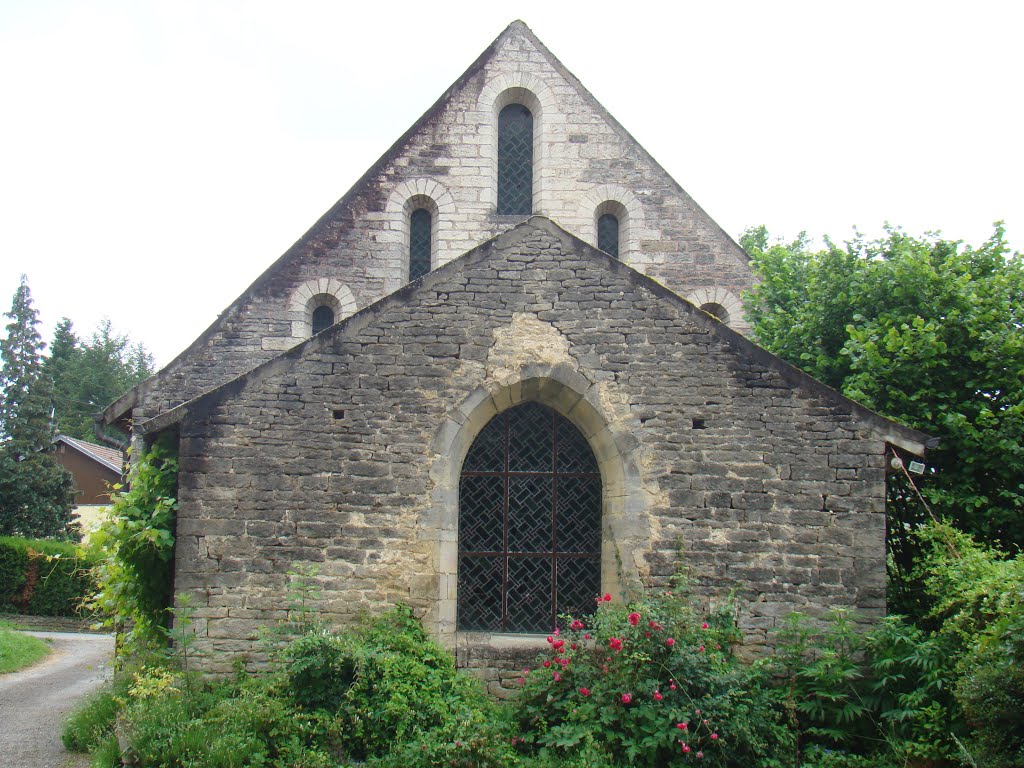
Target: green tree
[
  {"x": 35, "y": 491},
  {"x": 927, "y": 331},
  {"x": 90, "y": 374}
]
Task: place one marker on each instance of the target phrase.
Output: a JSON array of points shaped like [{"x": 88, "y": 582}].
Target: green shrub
[
  {"x": 650, "y": 683},
  {"x": 40, "y": 577},
  {"x": 395, "y": 694},
  {"x": 977, "y": 598},
  {"x": 384, "y": 694}
]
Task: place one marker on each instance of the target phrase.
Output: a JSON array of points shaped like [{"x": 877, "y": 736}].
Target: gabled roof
[
  {"x": 891, "y": 432},
  {"x": 118, "y": 411},
  {"x": 111, "y": 458}
]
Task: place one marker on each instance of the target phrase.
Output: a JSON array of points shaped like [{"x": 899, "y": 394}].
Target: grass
[
  {"x": 18, "y": 650},
  {"x": 91, "y": 723}
]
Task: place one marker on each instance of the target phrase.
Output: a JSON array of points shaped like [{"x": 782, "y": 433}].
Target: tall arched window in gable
[
  {"x": 323, "y": 318},
  {"x": 515, "y": 160},
  {"x": 529, "y": 523},
  {"x": 419, "y": 243},
  {"x": 608, "y": 234}
]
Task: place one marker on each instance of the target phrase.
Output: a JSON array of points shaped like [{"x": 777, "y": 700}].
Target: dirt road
[{"x": 34, "y": 702}]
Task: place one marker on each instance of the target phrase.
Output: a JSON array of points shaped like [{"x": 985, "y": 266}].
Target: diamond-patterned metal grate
[
  {"x": 487, "y": 454},
  {"x": 578, "y": 582},
  {"x": 480, "y": 526},
  {"x": 530, "y": 438},
  {"x": 529, "y": 594},
  {"x": 529, "y": 513},
  {"x": 578, "y": 509},
  {"x": 419, "y": 243},
  {"x": 515, "y": 160},
  {"x": 608, "y": 234},
  {"x": 529, "y": 523},
  {"x": 574, "y": 454},
  {"x": 480, "y": 593}
]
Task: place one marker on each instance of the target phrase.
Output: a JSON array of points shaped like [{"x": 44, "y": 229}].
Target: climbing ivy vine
[{"x": 136, "y": 544}]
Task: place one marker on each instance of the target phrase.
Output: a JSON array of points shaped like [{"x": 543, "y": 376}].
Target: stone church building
[{"x": 507, "y": 372}]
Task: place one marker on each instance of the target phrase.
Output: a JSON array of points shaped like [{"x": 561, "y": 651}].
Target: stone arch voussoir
[{"x": 573, "y": 395}]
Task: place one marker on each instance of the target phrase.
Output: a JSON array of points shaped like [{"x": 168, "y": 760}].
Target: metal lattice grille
[
  {"x": 515, "y": 160},
  {"x": 608, "y": 234},
  {"x": 419, "y": 243},
  {"x": 529, "y": 523}
]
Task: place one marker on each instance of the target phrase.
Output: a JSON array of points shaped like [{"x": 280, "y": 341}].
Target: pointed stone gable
[
  {"x": 346, "y": 451},
  {"x": 347, "y": 448},
  {"x": 584, "y": 165}
]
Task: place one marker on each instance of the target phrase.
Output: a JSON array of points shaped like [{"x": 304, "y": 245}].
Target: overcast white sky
[{"x": 155, "y": 157}]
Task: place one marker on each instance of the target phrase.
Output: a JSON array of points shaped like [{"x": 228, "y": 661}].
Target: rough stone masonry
[{"x": 346, "y": 451}]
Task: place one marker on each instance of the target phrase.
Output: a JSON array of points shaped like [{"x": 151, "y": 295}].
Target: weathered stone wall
[
  {"x": 583, "y": 161},
  {"x": 345, "y": 452}
]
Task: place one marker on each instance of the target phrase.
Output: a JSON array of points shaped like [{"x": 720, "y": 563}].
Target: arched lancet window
[
  {"x": 419, "y": 243},
  {"x": 608, "y": 234},
  {"x": 529, "y": 523},
  {"x": 323, "y": 318},
  {"x": 515, "y": 160}
]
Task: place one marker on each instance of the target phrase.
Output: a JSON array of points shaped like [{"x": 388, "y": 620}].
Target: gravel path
[{"x": 34, "y": 702}]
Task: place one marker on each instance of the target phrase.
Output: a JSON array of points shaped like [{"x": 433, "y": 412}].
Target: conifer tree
[
  {"x": 90, "y": 373},
  {"x": 35, "y": 491}
]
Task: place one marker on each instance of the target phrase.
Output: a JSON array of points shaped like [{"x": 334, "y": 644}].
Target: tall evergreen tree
[
  {"x": 35, "y": 491},
  {"x": 90, "y": 374},
  {"x": 59, "y": 368}
]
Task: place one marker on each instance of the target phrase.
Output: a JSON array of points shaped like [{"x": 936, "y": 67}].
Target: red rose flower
[
  {"x": 627, "y": 698},
  {"x": 670, "y": 642},
  {"x": 584, "y": 691},
  {"x": 634, "y": 618}
]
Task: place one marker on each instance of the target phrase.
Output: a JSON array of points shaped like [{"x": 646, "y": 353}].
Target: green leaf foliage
[
  {"x": 135, "y": 545},
  {"x": 653, "y": 682},
  {"x": 929, "y": 332}
]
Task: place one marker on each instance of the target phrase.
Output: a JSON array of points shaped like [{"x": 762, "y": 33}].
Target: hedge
[{"x": 42, "y": 578}]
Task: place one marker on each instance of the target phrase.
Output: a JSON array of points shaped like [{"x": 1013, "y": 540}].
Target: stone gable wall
[
  {"x": 582, "y": 161},
  {"x": 343, "y": 453}
]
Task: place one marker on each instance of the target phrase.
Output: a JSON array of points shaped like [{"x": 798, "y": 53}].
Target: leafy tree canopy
[
  {"x": 927, "y": 331},
  {"x": 35, "y": 492},
  {"x": 90, "y": 374}
]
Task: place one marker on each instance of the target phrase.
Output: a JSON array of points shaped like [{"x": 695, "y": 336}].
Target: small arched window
[
  {"x": 419, "y": 243},
  {"x": 515, "y": 160},
  {"x": 608, "y": 234},
  {"x": 323, "y": 318}
]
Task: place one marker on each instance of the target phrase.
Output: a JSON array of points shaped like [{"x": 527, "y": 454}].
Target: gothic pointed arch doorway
[{"x": 530, "y": 504}]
